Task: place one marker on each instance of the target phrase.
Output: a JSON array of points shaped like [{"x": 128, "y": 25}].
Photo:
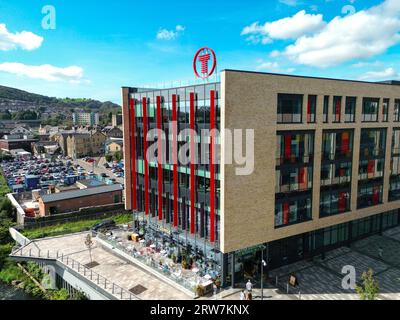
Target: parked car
[{"x": 107, "y": 224}]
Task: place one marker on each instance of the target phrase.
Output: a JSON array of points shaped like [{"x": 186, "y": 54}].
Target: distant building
[
  {"x": 11, "y": 142},
  {"x": 45, "y": 147},
  {"x": 85, "y": 118},
  {"x": 85, "y": 144},
  {"x": 21, "y": 130},
  {"x": 114, "y": 146},
  {"x": 116, "y": 120},
  {"x": 63, "y": 200},
  {"x": 70, "y": 201},
  {"x": 113, "y": 132}
]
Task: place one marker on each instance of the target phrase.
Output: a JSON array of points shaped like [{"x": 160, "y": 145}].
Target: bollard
[
  {"x": 287, "y": 288},
  {"x": 276, "y": 281},
  {"x": 299, "y": 295}
]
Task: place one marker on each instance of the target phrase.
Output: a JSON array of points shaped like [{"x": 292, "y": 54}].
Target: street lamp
[{"x": 263, "y": 265}]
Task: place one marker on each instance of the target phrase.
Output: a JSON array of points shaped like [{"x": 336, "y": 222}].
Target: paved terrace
[
  {"x": 110, "y": 267},
  {"x": 322, "y": 279},
  {"x": 319, "y": 279}
]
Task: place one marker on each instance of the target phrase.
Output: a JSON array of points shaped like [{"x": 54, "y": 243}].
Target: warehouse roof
[{"x": 80, "y": 193}]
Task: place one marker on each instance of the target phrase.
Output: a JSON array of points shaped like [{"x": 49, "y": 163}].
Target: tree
[
  {"x": 369, "y": 289},
  {"x": 109, "y": 157},
  {"x": 89, "y": 244},
  {"x": 118, "y": 156}
]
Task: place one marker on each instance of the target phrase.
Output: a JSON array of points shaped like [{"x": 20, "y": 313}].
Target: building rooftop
[
  {"x": 90, "y": 183},
  {"x": 387, "y": 82},
  {"x": 80, "y": 193}
]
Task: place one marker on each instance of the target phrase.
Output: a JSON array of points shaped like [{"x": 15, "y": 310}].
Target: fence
[
  {"x": 116, "y": 290},
  {"x": 84, "y": 214}
]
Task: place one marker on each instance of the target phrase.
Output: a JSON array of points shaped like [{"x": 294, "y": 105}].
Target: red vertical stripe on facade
[
  {"x": 375, "y": 195},
  {"x": 288, "y": 146},
  {"x": 371, "y": 166},
  {"x": 160, "y": 158},
  {"x": 212, "y": 166},
  {"x": 146, "y": 168},
  {"x": 133, "y": 154},
  {"x": 342, "y": 202},
  {"x": 301, "y": 175},
  {"x": 309, "y": 110},
  {"x": 192, "y": 163},
  {"x": 338, "y": 109},
  {"x": 175, "y": 157},
  {"x": 286, "y": 213},
  {"x": 345, "y": 142}
]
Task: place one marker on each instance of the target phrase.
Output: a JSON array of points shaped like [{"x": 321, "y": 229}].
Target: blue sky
[{"x": 99, "y": 46}]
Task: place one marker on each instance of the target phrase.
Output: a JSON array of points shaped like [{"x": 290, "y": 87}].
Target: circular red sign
[{"x": 204, "y": 55}]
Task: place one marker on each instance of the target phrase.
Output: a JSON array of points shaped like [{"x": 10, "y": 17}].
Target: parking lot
[{"x": 25, "y": 174}]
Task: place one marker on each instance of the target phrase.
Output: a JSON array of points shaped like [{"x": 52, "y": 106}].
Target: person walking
[
  {"x": 242, "y": 295},
  {"x": 249, "y": 286},
  {"x": 380, "y": 252}
]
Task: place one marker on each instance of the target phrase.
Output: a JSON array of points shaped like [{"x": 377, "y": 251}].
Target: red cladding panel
[
  {"x": 146, "y": 167},
  {"x": 175, "y": 157},
  {"x": 288, "y": 146},
  {"x": 212, "y": 167},
  {"x": 160, "y": 157},
  {"x": 133, "y": 154},
  {"x": 286, "y": 213},
  {"x": 192, "y": 164}
]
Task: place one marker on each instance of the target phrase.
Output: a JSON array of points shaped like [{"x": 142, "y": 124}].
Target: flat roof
[
  {"x": 387, "y": 82},
  {"x": 80, "y": 193}
]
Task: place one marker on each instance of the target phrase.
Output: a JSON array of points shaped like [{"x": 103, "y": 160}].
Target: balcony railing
[{"x": 109, "y": 286}]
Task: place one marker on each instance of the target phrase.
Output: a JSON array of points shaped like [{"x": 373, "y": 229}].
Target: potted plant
[
  {"x": 200, "y": 290},
  {"x": 184, "y": 264},
  {"x": 173, "y": 258},
  {"x": 218, "y": 283}
]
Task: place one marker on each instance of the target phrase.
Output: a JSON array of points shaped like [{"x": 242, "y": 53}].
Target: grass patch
[{"x": 71, "y": 227}]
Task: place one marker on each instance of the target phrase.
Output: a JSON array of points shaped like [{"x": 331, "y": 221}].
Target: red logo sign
[{"x": 203, "y": 57}]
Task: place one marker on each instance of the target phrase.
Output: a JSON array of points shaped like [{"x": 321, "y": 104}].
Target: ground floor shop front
[{"x": 245, "y": 265}]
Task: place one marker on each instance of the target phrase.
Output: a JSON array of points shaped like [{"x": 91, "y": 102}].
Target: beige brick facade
[{"x": 249, "y": 101}]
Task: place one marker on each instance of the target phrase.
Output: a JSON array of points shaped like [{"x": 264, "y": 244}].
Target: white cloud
[
  {"x": 25, "y": 40},
  {"x": 367, "y": 64},
  {"x": 270, "y": 66},
  {"x": 291, "y": 3},
  {"x": 164, "y": 34},
  {"x": 287, "y": 28},
  {"x": 387, "y": 74},
  {"x": 362, "y": 35},
  {"x": 72, "y": 74}
]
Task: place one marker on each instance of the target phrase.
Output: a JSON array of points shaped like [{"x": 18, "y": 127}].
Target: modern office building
[
  {"x": 326, "y": 167},
  {"x": 85, "y": 119}
]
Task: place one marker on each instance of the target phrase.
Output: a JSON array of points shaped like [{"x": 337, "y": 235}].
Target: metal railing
[{"x": 74, "y": 265}]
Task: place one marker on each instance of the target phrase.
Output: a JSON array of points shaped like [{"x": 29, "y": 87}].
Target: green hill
[{"x": 8, "y": 93}]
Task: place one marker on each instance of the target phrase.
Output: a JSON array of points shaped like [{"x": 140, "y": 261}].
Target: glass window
[
  {"x": 311, "y": 108},
  {"x": 337, "y": 108},
  {"x": 369, "y": 194},
  {"x": 326, "y": 109},
  {"x": 290, "y": 108},
  {"x": 385, "y": 110},
  {"x": 370, "y": 109},
  {"x": 350, "y": 111},
  {"x": 334, "y": 202},
  {"x": 397, "y": 110}
]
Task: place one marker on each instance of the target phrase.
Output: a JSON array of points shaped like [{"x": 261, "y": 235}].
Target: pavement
[
  {"x": 110, "y": 266},
  {"x": 319, "y": 279}
]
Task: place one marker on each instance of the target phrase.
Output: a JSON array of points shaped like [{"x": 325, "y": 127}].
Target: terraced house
[{"x": 326, "y": 167}]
